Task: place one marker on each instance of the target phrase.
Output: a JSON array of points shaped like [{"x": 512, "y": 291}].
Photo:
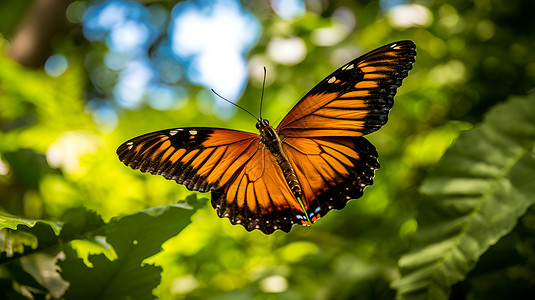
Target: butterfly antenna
[
  {"x": 233, "y": 104},
  {"x": 262, "y": 97}
]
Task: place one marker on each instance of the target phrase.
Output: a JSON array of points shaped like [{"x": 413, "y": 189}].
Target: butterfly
[{"x": 314, "y": 161}]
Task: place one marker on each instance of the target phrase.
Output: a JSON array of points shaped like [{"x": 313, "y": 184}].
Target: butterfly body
[
  {"x": 314, "y": 161},
  {"x": 271, "y": 139}
]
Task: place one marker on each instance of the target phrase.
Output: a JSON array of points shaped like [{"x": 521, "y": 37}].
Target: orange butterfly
[{"x": 314, "y": 161}]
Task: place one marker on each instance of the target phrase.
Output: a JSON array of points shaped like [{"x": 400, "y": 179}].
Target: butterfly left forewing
[{"x": 202, "y": 159}]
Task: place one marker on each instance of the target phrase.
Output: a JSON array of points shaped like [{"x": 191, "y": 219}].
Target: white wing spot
[
  {"x": 173, "y": 132},
  {"x": 130, "y": 143},
  {"x": 193, "y": 132},
  {"x": 348, "y": 67},
  {"x": 347, "y": 197},
  {"x": 332, "y": 79}
]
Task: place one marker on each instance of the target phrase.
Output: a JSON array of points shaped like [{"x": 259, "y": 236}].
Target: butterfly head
[{"x": 262, "y": 123}]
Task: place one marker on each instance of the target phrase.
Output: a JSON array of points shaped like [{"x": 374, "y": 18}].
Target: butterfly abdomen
[
  {"x": 289, "y": 175},
  {"x": 272, "y": 140}
]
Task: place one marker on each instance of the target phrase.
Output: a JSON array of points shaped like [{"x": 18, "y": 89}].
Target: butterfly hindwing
[
  {"x": 332, "y": 170},
  {"x": 355, "y": 99},
  {"x": 259, "y": 197}
]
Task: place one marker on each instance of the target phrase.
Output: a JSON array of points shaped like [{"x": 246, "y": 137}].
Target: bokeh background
[{"x": 78, "y": 78}]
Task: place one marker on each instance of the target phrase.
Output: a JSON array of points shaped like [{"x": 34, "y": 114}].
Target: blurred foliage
[
  {"x": 72, "y": 213},
  {"x": 481, "y": 186}
]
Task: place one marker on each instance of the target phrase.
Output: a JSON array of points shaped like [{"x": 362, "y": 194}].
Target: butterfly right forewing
[{"x": 355, "y": 99}]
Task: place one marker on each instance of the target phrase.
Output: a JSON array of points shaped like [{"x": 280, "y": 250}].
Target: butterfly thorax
[{"x": 272, "y": 141}]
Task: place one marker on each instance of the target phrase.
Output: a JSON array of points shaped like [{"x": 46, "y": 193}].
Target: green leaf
[
  {"x": 134, "y": 238},
  {"x": 24, "y": 237},
  {"x": 8, "y": 222},
  {"x": 480, "y": 188}
]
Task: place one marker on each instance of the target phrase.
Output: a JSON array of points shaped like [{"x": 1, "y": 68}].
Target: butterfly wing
[
  {"x": 247, "y": 185},
  {"x": 331, "y": 170},
  {"x": 322, "y": 134},
  {"x": 355, "y": 99},
  {"x": 259, "y": 197},
  {"x": 202, "y": 159}
]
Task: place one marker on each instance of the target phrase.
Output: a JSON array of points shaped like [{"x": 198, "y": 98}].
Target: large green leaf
[
  {"x": 10, "y": 222},
  {"x": 482, "y": 185},
  {"x": 23, "y": 237},
  {"x": 134, "y": 238}
]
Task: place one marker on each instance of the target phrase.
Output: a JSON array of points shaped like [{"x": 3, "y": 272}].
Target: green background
[{"x": 423, "y": 230}]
